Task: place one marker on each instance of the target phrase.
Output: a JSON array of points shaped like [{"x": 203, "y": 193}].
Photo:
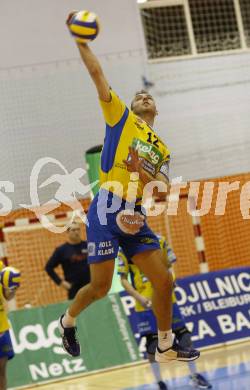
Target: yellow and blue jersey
[
  {"x": 6, "y": 347},
  {"x": 169, "y": 255},
  {"x": 125, "y": 129},
  {"x": 139, "y": 281},
  {"x": 4, "y": 323}
]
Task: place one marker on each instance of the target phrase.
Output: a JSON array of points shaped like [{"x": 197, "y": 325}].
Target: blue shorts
[
  {"x": 146, "y": 322},
  {"x": 104, "y": 236},
  {"x": 6, "y": 347}
]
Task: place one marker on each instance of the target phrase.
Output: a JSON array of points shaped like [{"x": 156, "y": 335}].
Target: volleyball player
[
  {"x": 6, "y": 347},
  {"x": 130, "y": 146}
]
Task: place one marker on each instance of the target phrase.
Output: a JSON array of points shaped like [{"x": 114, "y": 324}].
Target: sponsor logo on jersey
[
  {"x": 165, "y": 169},
  {"x": 149, "y": 167},
  {"x": 105, "y": 248},
  {"x": 148, "y": 240},
  {"x": 91, "y": 249},
  {"x": 147, "y": 151},
  {"x": 6, "y": 348}
]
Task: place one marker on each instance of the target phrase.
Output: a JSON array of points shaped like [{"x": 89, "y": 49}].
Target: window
[
  {"x": 175, "y": 28},
  {"x": 166, "y": 31},
  {"x": 215, "y": 25},
  {"x": 245, "y": 12}
]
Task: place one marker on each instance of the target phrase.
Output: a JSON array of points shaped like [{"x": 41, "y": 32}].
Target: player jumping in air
[
  {"x": 130, "y": 146},
  {"x": 140, "y": 288}
]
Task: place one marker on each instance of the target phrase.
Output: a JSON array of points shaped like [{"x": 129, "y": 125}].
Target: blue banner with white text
[{"x": 215, "y": 306}]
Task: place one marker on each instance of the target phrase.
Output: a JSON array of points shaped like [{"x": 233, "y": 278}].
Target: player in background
[
  {"x": 140, "y": 288},
  {"x": 6, "y": 348},
  {"x": 130, "y": 146}
]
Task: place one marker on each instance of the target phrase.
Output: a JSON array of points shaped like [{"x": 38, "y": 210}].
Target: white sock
[
  {"x": 192, "y": 368},
  {"x": 68, "y": 321},
  {"x": 156, "y": 371},
  {"x": 165, "y": 339}
]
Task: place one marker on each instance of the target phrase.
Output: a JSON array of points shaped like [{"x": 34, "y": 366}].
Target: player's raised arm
[
  {"x": 95, "y": 70},
  {"x": 84, "y": 27},
  {"x": 90, "y": 60}
]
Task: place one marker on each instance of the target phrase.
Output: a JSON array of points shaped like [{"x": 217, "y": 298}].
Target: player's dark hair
[{"x": 137, "y": 93}]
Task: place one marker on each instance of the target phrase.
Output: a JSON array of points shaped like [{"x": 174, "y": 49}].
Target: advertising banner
[
  {"x": 215, "y": 306},
  {"x": 104, "y": 334}
]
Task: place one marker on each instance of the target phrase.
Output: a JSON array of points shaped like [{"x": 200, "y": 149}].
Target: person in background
[
  {"x": 72, "y": 256},
  {"x": 6, "y": 348},
  {"x": 141, "y": 289}
]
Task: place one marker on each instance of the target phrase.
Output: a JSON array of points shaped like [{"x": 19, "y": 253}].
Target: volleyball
[
  {"x": 10, "y": 277},
  {"x": 1, "y": 265},
  {"x": 84, "y": 26}
]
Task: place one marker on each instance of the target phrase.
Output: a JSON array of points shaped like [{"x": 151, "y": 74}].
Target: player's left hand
[
  {"x": 71, "y": 14},
  {"x": 133, "y": 163}
]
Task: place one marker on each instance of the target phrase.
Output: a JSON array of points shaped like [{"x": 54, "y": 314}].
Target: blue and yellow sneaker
[
  {"x": 162, "y": 385},
  {"x": 69, "y": 339},
  {"x": 198, "y": 381},
  {"x": 176, "y": 352}
]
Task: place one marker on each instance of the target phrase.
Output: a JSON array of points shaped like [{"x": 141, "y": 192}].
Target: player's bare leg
[
  {"x": 99, "y": 286},
  {"x": 151, "y": 263},
  {"x": 3, "y": 367}
]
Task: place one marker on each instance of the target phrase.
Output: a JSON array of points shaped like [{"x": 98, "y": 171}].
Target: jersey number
[{"x": 156, "y": 140}]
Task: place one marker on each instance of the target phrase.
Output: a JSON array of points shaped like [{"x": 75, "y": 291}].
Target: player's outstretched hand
[
  {"x": 71, "y": 14},
  {"x": 133, "y": 163}
]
